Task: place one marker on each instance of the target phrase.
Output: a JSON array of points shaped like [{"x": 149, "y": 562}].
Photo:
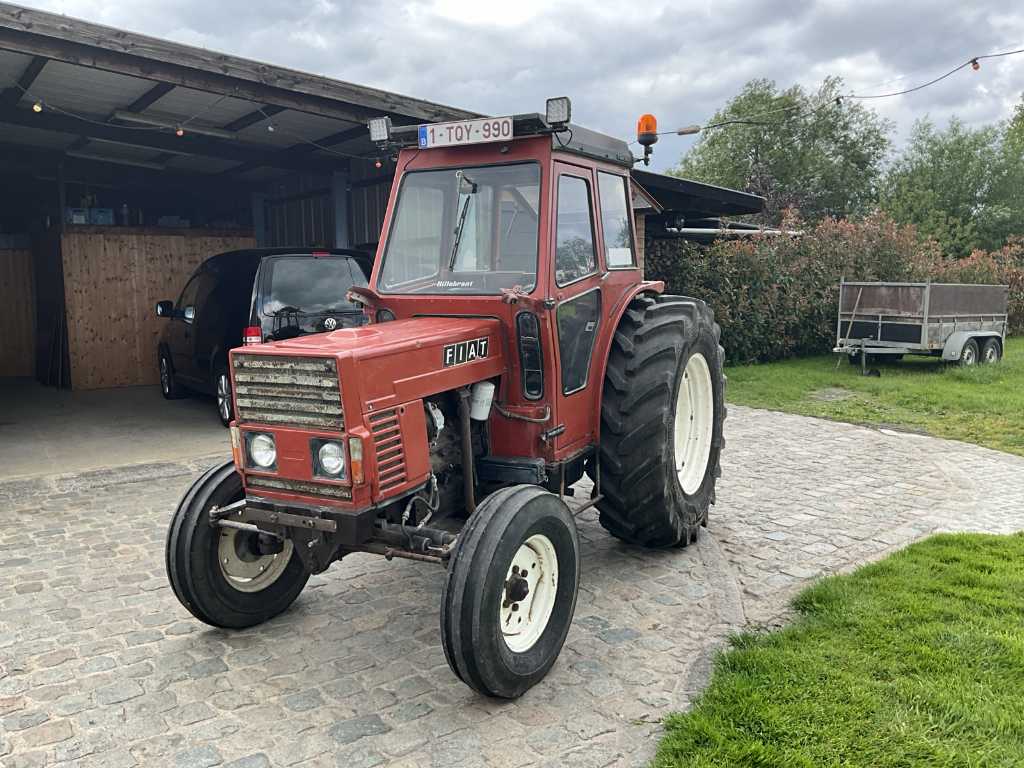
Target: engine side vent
[
  {"x": 387, "y": 439},
  {"x": 288, "y": 391}
]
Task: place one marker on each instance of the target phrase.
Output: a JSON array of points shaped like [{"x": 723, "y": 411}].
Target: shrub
[{"x": 777, "y": 296}]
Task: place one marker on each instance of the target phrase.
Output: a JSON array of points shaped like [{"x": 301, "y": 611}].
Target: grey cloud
[{"x": 681, "y": 61}]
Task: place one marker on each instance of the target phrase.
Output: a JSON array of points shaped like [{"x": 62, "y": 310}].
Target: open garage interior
[{"x": 126, "y": 161}]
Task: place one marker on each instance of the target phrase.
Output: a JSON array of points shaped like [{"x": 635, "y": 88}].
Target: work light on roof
[
  {"x": 380, "y": 129},
  {"x": 558, "y": 111}
]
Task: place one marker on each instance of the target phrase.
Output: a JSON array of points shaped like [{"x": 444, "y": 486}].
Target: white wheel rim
[
  {"x": 224, "y": 396},
  {"x": 991, "y": 354},
  {"x": 165, "y": 375},
  {"x": 525, "y": 617},
  {"x": 968, "y": 356},
  {"x": 244, "y": 570},
  {"x": 695, "y": 417}
]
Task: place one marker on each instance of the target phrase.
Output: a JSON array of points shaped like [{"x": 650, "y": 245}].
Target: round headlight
[
  {"x": 332, "y": 458},
  {"x": 262, "y": 451}
]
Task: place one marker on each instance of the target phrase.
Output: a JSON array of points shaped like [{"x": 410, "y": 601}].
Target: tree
[
  {"x": 813, "y": 151},
  {"x": 961, "y": 186}
]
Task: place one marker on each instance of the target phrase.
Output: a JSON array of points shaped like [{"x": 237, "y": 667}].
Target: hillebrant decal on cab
[{"x": 464, "y": 352}]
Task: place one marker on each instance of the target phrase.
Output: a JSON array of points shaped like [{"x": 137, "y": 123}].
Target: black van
[{"x": 265, "y": 294}]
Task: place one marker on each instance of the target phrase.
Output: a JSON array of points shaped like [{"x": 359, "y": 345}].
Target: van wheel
[
  {"x": 222, "y": 386},
  {"x": 219, "y": 574},
  {"x": 511, "y": 591},
  {"x": 169, "y": 386},
  {"x": 992, "y": 352}
]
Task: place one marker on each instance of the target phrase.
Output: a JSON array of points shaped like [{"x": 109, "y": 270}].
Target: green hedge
[{"x": 777, "y": 296}]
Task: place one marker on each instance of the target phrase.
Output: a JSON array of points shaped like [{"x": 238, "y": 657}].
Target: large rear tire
[
  {"x": 662, "y": 415},
  {"x": 218, "y": 573},
  {"x": 510, "y": 592}
]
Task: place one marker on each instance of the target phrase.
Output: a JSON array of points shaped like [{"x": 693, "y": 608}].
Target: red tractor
[{"x": 511, "y": 345}]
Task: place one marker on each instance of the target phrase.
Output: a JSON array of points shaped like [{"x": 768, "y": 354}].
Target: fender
[
  {"x": 645, "y": 286},
  {"x": 955, "y": 343}
]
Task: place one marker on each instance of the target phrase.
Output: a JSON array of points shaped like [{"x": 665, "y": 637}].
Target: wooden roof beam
[{"x": 13, "y": 95}]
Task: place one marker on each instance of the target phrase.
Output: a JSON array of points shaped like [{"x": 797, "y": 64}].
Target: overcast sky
[{"x": 616, "y": 60}]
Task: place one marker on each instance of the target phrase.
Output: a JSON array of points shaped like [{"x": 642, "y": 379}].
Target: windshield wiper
[{"x": 462, "y": 179}]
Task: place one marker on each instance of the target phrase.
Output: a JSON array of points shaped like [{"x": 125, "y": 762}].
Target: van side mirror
[{"x": 164, "y": 308}]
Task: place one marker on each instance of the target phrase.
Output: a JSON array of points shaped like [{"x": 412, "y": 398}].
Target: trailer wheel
[
  {"x": 217, "y": 573},
  {"x": 662, "y": 415},
  {"x": 511, "y": 591},
  {"x": 969, "y": 354},
  {"x": 992, "y": 352}
]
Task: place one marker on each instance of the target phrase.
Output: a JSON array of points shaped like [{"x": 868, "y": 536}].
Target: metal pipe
[
  {"x": 391, "y": 552},
  {"x": 247, "y": 527},
  {"x": 468, "y": 480},
  {"x": 731, "y": 232}
]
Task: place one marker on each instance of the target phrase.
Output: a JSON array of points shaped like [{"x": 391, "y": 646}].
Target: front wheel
[
  {"x": 169, "y": 386},
  {"x": 221, "y": 575},
  {"x": 225, "y": 407},
  {"x": 511, "y": 591}
]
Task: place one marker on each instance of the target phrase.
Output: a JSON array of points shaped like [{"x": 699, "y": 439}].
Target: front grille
[
  {"x": 254, "y": 483},
  {"x": 387, "y": 440},
  {"x": 288, "y": 391}
]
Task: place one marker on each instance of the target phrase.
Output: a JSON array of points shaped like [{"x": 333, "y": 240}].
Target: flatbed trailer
[{"x": 957, "y": 322}]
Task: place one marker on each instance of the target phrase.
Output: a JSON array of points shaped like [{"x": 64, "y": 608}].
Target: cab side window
[
  {"x": 615, "y": 221},
  {"x": 575, "y": 256}
]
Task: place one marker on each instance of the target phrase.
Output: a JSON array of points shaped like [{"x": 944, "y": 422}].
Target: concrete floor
[{"x": 49, "y": 431}]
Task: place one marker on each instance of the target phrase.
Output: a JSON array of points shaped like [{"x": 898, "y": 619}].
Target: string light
[
  {"x": 975, "y": 65},
  {"x": 377, "y": 163},
  {"x": 270, "y": 128},
  {"x": 179, "y": 131},
  {"x": 37, "y": 107}
]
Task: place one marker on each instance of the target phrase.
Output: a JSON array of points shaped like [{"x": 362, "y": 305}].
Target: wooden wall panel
[
  {"x": 17, "y": 313},
  {"x": 113, "y": 279}
]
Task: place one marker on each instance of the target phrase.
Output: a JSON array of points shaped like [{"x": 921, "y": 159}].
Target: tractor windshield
[{"x": 464, "y": 230}]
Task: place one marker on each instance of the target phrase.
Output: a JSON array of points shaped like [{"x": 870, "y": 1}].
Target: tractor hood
[{"x": 388, "y": 364}]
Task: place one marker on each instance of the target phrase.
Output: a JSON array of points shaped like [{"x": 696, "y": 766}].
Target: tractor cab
[{"x": 511, "y": 345}]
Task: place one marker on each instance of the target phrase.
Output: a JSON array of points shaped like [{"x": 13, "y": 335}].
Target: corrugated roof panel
[
  {"x": 292, "y": 127},
  {"x": 208, "y": 108},
  {"x": 16, "y": 134},
  {"x": 91, "y": 92},
  {"x": 11, "y": 66},
  {"x": 200, "y": 164}
]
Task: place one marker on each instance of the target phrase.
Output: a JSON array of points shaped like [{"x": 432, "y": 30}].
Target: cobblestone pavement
[{"x": 100, "y": 666}]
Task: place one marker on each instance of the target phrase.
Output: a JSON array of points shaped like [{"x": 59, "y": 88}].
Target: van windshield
[
  {"x": 310, "y": 285},
  {"x": 464, "y": 230}
]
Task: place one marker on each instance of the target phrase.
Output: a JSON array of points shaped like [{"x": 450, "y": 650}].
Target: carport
[{"x": 126, "y": 160}]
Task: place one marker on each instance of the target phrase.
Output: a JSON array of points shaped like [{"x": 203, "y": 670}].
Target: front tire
[
  {"x": 169, "y": 386},
  {"x": 510, "y": 592},
  {"x": 662, "y": 418},
  {"x": 217, "y": 573},
  {"x": 969, "y": 354},
  {"x": 222, "y": 392}
]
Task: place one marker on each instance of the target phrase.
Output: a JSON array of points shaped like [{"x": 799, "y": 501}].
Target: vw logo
[{"x": 330, "y": 323}]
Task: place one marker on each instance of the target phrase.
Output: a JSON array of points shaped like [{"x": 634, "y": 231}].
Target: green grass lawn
[
  {"x": 917, "y": 660},
  {"x": 983, "y": 405}
]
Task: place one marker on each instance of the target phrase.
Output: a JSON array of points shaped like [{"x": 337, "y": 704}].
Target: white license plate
[{"x": 465, "y": 132}]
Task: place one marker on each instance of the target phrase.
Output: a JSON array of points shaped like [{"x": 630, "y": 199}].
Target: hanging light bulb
[
  {"x": 975, "y": 65},
  {"x": 179, "y": 131},
  {"x": 270, "y": 128},
  {"x": 37, "y": 107},
  {"x": 377, "y": 163}
]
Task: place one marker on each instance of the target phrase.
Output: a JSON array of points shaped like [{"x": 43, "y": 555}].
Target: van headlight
[
  {"x": 262, "y": 449},
  {"x": 330, "y": 459}
]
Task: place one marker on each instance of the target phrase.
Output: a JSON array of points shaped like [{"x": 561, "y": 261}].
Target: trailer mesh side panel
[
  {"x": 288, "y": 391},
  {"x": 387, "y": 439},
  {"x": 899, "y": 332}
]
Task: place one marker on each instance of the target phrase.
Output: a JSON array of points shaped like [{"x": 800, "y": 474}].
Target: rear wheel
[
  {"x": 511, "y": 591},
  {"x": 661, "y": 422},
  {"x": 992, "y": 352},
  {"x": 969, "y": 354},
  {"x": 219, "y": 574}
]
